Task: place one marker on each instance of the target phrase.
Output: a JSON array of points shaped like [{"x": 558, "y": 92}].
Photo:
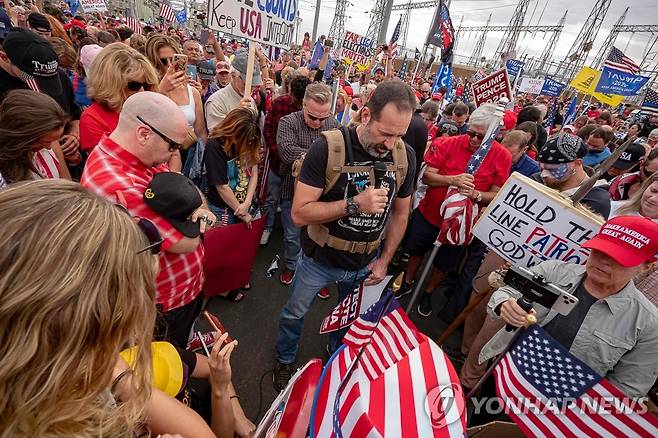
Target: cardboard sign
[
  {"x": 491, "y": 88},
  {"x": 93, "y": 6},
  {"x": 267, "y": 22},
  {"x": 353, "y": 305},
  {"x": 552, "y": 87},
  {"x": 356, "y": 48},
  {"x": 530, "y": 85},
  {"x": 527, "y": 223}
]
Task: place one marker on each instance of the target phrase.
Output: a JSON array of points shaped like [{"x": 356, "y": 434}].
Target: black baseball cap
[
  {"x": 174, "y": 197},
  {"x": 630, "y": 157},
  {"x": 39, "y": 22},
  {"x": 33, "y": 55}
]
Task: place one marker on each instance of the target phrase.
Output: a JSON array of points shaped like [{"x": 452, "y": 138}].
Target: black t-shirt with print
[
  {"x": 360, "y": 228},
  {"x": 222, "y": 170}
]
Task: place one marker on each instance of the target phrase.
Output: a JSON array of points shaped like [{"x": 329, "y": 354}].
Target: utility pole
[{"x": 315, "y": 22}]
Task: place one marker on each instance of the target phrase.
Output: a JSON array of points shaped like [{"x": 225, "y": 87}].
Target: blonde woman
[{"x": 116, "y": 73}]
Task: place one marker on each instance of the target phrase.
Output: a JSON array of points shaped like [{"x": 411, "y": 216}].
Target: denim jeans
[
  {"x": 291, "y": 235},
  {"x": 272, "y": 200},
  {"x": 225, "y": 216},
  {"x": 309, "y": 278}
]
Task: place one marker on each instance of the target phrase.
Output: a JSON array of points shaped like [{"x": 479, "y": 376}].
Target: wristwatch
[
  {"x": 479, "y": 197},
  {"x": 352, "y": 208}
]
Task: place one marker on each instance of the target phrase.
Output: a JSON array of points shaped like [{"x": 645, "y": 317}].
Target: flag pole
[{"x": 420, "y": 61}]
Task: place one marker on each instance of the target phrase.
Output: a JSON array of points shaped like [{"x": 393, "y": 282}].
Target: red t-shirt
[
  {"x": 96, "y": 122},
  {"x": 593, "y": 114},
  {"x": 432, "y": 131},
  {"x": 449, "y": 156}
]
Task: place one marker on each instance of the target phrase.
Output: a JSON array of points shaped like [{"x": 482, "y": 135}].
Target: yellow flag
[{"x": 585, "y": 82}]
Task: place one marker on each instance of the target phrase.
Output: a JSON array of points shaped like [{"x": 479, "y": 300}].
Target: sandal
[
  {"x": 233, "y": 296},
  {"x": 246, "y": 286}
]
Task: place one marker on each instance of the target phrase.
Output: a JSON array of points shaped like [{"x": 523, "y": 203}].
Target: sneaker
[
  {"x": 455, "y": 354},
  {"x": 405, "y": 289},
  {"x": 286, "y": 276},
  {"x": 195, "y": 344},
  {"x": 324, "y": 293},
  {"x": 265, "y": 238},
  {"x": 425, "y": 305},
  {"x": 282, "y": 374}
]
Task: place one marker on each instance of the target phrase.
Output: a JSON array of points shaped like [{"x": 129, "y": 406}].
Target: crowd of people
[{"x": 120, "y": 149}]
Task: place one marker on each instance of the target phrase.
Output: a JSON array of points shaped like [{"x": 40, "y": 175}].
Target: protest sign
[
  {"x": 615, "y": 81},
  {"x": 357, "y": 48},
  {"x": 552, "y": 88},
  {"x": 93, "y": 6},
  {"x": 585, "y": 82},
  {"x": 527, "y": 223},
  {"x": 491, "y": 88},
  {"x": 514, "y": 67},
  {"x": 353, "y": 305},
  {"x": 268, "y": 22},
  {"x": 530, "y": 85}
]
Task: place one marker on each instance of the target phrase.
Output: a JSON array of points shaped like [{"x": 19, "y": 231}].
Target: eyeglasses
[
  {"x": 149, "y": 230},
  {"x": 173, "y": 146},
  {"x": 475, "y": 134},
  {"x": 136, "y": 86}
]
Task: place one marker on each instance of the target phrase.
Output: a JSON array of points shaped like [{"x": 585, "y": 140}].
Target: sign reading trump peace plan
[
  {"x": 356, "y": 48},
  {"x": 266, "y": 21},
  {"x": 527, "y": 223}
]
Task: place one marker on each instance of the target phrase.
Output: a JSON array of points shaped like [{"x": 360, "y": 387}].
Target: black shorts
[
  {"x": 175, "y": 326},
  {"x": 419, "y": 239}
]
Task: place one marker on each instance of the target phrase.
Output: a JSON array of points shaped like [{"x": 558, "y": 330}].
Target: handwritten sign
[
  {"x": 93, "y": 6},
  {"x": 268, "y": 22},
  {"x": 353, "y": 305},
  {"x": 357, "y": 48},
  {"x": 491, "y": 88},
  {"x": 530, "y": 85},
  {"x": 527, "y": 223}
]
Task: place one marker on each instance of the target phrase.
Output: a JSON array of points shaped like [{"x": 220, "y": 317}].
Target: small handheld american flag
[
  {"x": 393, "y": 44},
  {"x": 167, "y": 12}
]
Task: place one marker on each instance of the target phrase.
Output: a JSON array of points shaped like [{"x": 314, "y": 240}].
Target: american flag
[
  {"x": 417, "y": 55},
  {"x": 552, "y": 112},
  {"x": 167, "y": 12},
  {"x": 30, "y": 81},
  {"x": 393, "y": 44},
  {"x": 132, "y": 22},
  {"x": 618, "y": 61},
  {"x": 385, "y": 392},
  {"x": 402, "y": 74},
  {"x": 459, "y": 212},
  {"x": 650, "y": 104},
  {"x": 560, "y": 395}
]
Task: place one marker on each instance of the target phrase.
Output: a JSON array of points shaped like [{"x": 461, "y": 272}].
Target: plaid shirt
[
  {"x": 111, "y": 169},
  {"x": 648, "y": 285},
  {"x": 293, "y": 139},
  {"x": 281, "y": 106}
]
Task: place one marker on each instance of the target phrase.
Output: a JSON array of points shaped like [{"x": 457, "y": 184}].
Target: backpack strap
[
  {"x": 335, "y": 158},
  {"x": 400, "y": 162}
]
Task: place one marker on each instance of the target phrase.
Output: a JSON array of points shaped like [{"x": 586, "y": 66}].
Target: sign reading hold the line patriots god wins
[
  {"x": 527, "y": 223},
  {"x": 269, "y": 22}
]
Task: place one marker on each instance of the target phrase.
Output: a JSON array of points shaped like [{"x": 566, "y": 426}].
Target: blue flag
[
  {"x": 552, "y": 87},
  {"x": 318, "y": 51},
  {"x": 329, "y": 68},
  {"x": 181, "y": 16},
  {"x": 571, "y": 112},
  {"x": 73, "y": 6},
  {"x": 443, "y": 78},
  {"x": 403, "y": 70},
  {"x": 619, "y": 82}
]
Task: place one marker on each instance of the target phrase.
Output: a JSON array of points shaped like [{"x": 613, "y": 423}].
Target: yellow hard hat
[{"x": 167, "y": 366}]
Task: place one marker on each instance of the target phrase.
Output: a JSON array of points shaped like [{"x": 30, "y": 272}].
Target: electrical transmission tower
[
  {"x": 609, "y": 42},
  {"x": 457, "y": 35},
  {"x": 404, "y": 26},
  {"x": 577, "y": 55},
  {"x": 376, "y": 20},
  {"x": 337, "y": 29},
  {"x": 508, "y": 43},
  {"x": 547, "y": 54},
  {"x": 479, "y": 45}
]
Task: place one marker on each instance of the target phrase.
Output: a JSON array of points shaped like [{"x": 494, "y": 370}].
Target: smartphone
[
  {"x": 328, "y": 43},
  {"x": 191, "y": 71},
  {"x": 203, "y": 38},
  {"x": 217, "y": 326},
  {"x": 179, "y": 61},
  {"x": 537, "y": 290}
]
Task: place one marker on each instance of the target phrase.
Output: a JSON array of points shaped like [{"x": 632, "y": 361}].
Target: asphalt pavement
[{"x": 253, "y": 322}]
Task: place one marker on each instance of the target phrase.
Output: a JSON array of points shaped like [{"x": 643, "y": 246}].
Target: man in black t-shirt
[{"x": 342, "y": 228}]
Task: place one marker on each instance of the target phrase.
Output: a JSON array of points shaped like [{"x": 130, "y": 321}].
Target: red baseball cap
[
  {"x": 509, "y": 120},
  {"x": 629, "y": 240}
]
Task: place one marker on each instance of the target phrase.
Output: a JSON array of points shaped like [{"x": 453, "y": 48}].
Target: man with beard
[
  {"x": 561, "y": 168},
  {"x": 344, "y": 211}
]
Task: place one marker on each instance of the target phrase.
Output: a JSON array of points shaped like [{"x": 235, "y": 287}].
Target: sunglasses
[
  {"x": 165, "y": 61},
  {"x": 475, "y": 134},
  {"x": 136, "y": 86},
  {"x": 316, "y": 118},
  {"x": 149, "y": 230},
  {"x": 173, "y": 146},
  {"x": 424, "y": 92}
]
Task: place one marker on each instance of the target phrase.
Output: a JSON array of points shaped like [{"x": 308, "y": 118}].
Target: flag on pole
[
  {"x": 167, "y": 12},
  {"x": 650, "y": 104},
  {"x": 559, "y": 395},
  {"x": 401, "y": 384},
  {"x": 318, "y": 51},
  {"x": 570, "y": 116},
  {"x": 552, "y": 112},
  {"x": 447, "y": 33},
  {"x": 393, "y": 43},
  {"x": 617, "y": 60},
  {"x": 132, "y": 22},
  {"x": 181, "y": 16},
  {"x": 417, "y": 54},
  {"x": 403, "y": 69}
]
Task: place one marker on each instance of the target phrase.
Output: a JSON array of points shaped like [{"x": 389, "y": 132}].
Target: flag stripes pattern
[
  {"x": 393, "y": 44},
  {"x": 617, "y": 60},
  {"x": 167, "y": 12},
  {"x": 650, "y": 104},
  {"x": 537, "y": 369}
]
